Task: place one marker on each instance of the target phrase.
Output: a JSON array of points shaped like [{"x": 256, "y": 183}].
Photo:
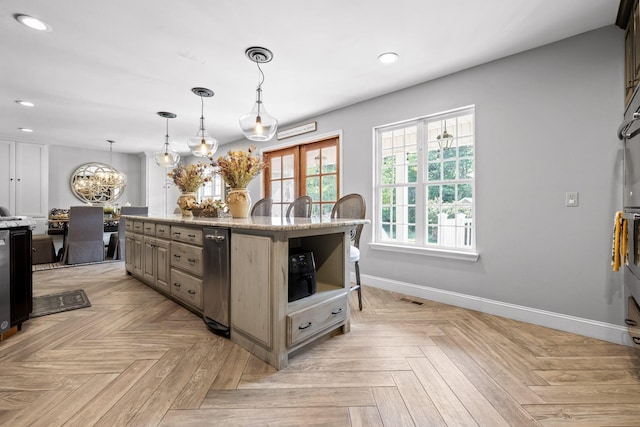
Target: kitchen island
[{"x": 170, "y": 253}]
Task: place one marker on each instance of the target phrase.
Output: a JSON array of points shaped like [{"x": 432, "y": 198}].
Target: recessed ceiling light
[
  {"x": 26, "y": 129},
  {"x": 388, "y": 57},
  {"x": 32, "y": 22},
  {"x": 25, "y": 103}
]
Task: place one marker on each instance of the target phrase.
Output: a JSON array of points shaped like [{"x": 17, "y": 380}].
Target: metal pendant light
[
  {"x": 445, "y": 140},
  {"x": 202, "y": 145},
  {"x": 257, "y": 124},
  {"x": 167, "y": 158}
]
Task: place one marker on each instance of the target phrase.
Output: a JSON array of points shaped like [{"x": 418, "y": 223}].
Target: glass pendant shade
[
  {"x": 257, "y": 124},
  {"x": 202, "y": 145},
  {"x": 167, "y": 158}
]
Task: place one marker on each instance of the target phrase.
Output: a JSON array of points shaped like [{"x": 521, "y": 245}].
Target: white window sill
[{"x": 440, "y": 253}]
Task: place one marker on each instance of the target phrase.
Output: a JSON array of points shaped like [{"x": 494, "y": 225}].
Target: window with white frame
[
  {"x": 425, "y": 185},
  {"x": 213, "y": 189}
]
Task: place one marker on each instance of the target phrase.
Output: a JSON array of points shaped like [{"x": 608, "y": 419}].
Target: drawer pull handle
[
  {"x": 338, "y": 311},
  {"x": 308, "y": 325},
  {"x": 176, "y": 233},
  {"x": 191, "y": 292},
  {"x": 193, "y": 236},
  {"x": 176, "y": 256},
  {"x": 177, "y": 285},
  {"x": 148, "y": 228},
  {"x": 630, "y": 322},
  {"x": 636, "y": 340},
  {"x": 192, "y": 261}
]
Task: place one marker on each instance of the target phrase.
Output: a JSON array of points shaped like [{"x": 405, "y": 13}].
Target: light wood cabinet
[
  {"x": 262, "y": 320},
  {"x": 633, "y": 321}
]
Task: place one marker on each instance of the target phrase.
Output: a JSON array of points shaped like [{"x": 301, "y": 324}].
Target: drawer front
[
  {"x": 163, "y": 231},
  {"x": 186, "y": 288},
  {"x": 149, "y": 229},
  {"x": 186, "y": 234},
  {"x": 128, "y": 225},
  {"x": 138, "y": 226},
  {"x": 633, "y": 321},
  {"x": 305, "y": 323},
  {"x": 187, "y": 257}
]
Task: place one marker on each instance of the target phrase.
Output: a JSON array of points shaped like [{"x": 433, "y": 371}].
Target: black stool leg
[{"x": 358, "y": 285}]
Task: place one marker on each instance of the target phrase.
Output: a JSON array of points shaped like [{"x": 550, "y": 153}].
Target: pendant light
[
  {"x": 257, "y": 124},
  {"x": 446, "y": 139},
  {"x": 202, "y": 145},
  {"x": 166, "y": 157}
]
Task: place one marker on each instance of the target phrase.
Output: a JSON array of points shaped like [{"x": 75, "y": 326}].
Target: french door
[{"x": 311, "y": 169}]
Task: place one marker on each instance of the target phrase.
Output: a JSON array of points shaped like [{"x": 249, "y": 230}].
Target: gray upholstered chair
[
  {"x": 83, "y": 240},
  {"x": 352, "y": 206},
  {"x": 300, "y": 207},
  {"x": 262, "y": 207},
  {"x": 116, "y": 242},
  {"x": 4, "y": 211}
]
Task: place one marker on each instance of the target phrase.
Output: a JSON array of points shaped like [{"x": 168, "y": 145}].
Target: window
[
  {"x": 310, "y": 169},
  {"x": 425, "y": 182},
  {"x": 213, "y": 189}
]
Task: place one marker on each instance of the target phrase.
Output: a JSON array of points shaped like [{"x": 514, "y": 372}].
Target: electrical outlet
[{"x": 571, "y": 199}]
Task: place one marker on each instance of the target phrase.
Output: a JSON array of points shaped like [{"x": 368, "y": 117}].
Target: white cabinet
[{"x": 24, "y": 178}]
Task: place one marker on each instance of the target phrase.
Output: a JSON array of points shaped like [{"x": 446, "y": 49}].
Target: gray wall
[
  {"x": 545, "y": 124},
  {"x": 63, "y": 161}
]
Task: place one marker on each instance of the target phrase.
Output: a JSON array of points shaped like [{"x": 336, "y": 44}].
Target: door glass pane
[
  {"x": 288, "y": 167},
  {"x": 276, "y": 171},
  {"x": 276, "y": 194},
  {"x": 313, "y": 162},
  {"x": 313, "y": 187},
  {"x": 288, "y": 191},
  {"x": 329, "y": 188},
  {"x": 329, "y": 160}
]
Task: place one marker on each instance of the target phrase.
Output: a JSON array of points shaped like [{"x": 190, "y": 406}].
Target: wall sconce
[
  {"x": 257, "y": 124},
  {"x": 202, "y": 145}
]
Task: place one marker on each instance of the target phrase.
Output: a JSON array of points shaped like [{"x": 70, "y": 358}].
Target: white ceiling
[{"x": 107, "y": 67}]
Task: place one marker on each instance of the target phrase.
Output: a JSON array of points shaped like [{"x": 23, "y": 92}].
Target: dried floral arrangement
[
  {"x": 238, "y": 168},
  {"x": 191, "y": 177},
  {"x": 209, "y": 208}
]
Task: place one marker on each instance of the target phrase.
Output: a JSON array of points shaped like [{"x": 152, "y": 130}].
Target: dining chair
[
  {"x": 300, "y": 207},
  {"x": 262, "y": 207},
  {"x": 116, "y": 241},
  {"x": 83, "y": 241},
  {"x": 352, "y": 206},
  {"x": 4, "y": 211}
]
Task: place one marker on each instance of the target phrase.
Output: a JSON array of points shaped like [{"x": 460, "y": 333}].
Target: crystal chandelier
[
  {"x": 202, "y": 145},
  {"x": 166, "y": 157},
  {"x": 257, "y": 124},
  {"x": 110, "y": 178}
]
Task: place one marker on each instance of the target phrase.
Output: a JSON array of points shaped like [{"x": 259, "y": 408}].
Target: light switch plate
[{"x": 571, "y": 199}]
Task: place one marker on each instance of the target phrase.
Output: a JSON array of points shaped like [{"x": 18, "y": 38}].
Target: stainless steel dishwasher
[{"x": 217, "y": 283}]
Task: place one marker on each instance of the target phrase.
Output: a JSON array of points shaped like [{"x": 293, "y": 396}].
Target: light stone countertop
[{"x": 256, "y": 223}]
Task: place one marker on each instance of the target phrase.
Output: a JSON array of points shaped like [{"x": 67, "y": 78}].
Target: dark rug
[{"x": 56, "y": 303}]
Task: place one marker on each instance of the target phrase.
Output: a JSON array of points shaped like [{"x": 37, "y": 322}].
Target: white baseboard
[{"x": 589, "y": 328}]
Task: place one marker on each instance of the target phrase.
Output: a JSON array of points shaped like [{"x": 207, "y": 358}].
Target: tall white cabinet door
[
  {"x": 32, "y": 179},
  {"x": 7, "y": 175}
]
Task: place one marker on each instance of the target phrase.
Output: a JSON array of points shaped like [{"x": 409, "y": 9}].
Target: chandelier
[{"x": 110, "y": 178}]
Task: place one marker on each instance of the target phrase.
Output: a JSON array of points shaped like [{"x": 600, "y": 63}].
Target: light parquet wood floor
[{"x": 135, "y": 358}]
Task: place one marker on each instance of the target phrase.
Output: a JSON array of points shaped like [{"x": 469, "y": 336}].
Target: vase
[
  {"x": 239, "y": 202},
  {"x": 185, "y": 200}
]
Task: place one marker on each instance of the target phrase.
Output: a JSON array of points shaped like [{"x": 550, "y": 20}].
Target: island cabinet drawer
[
  {"x": 187, "y": 257},
  {"x": 633, "y": 321},
  {"x": 186, "y": 234},
  {"x": 128, "y": 226},
  {"x": 307, "y": 322},
  {"x": 149, "y": 228},
  {"x": 186, "y": 288},
  {"x": 163, "y": 231},
  {"x": 138, "y": 226}
]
